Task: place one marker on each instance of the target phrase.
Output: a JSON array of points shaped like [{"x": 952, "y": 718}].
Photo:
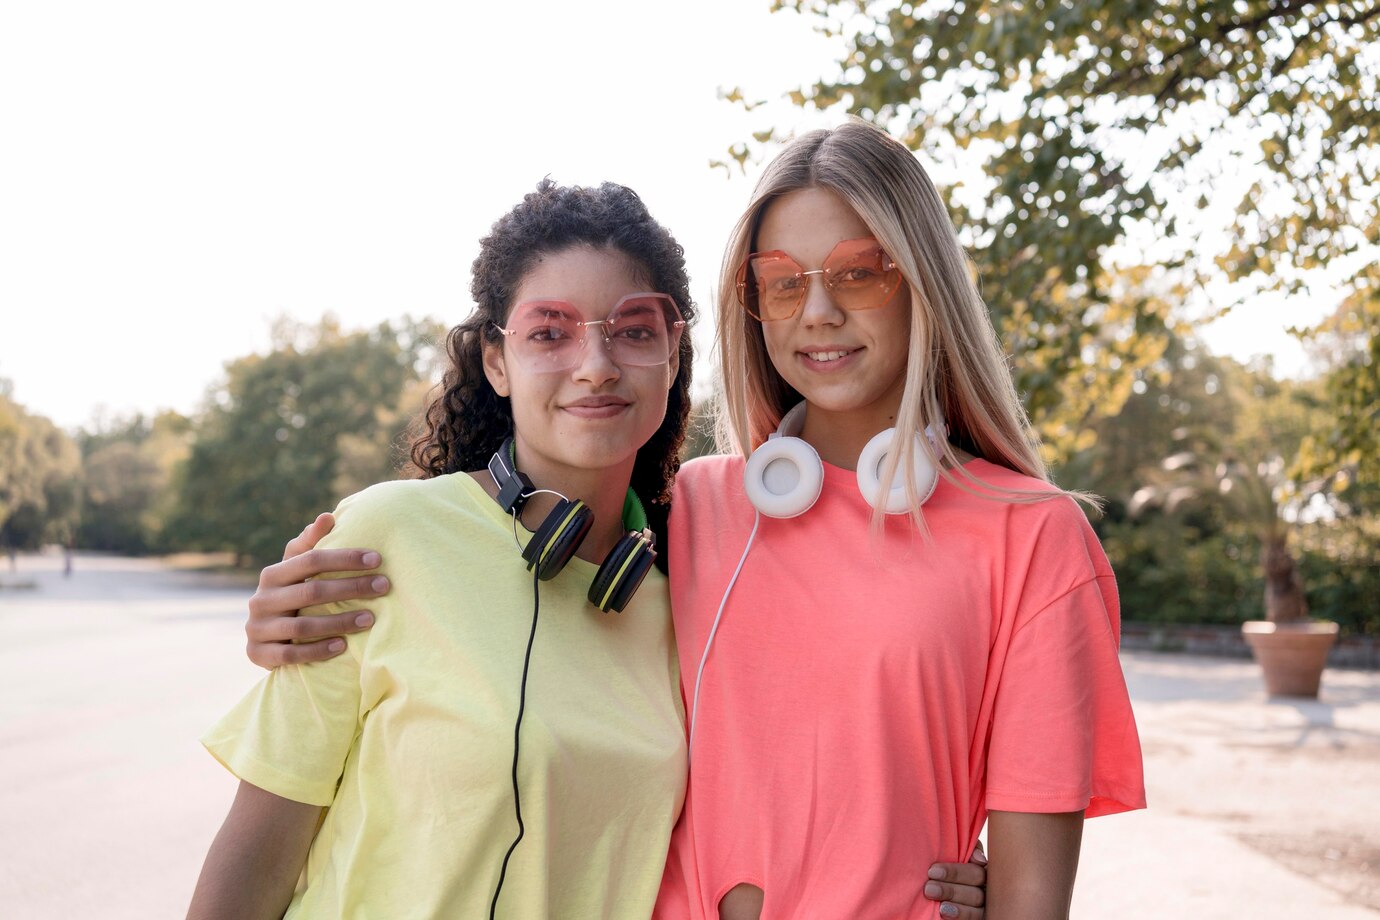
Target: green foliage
[
  {"x": 127, "y": 496},
  {"x": 1195, "y": 469},
  {"x": 1170, "y": 571},
  {"x": 1347, "y": 447},
  {"x": 289, "y": 432},
  {"x": 40, "y": 479},
  {"x": 1340, "y": 563}
]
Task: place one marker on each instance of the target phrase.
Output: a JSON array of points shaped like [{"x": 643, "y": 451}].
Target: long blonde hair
[{"x": 956, "y": 368}]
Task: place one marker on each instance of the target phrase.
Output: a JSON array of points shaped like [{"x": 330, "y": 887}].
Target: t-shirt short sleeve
[
  {"x": 292, "y": 733},
  {"x": 1063, "y": 734}
]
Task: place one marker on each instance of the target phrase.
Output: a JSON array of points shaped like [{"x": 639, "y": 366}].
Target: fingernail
[
  {"x": 936, "y": 872},
  {"x": 364, "y": 619},
  {"x": 379, "y": 584},
  {"x": 371, "y": 559},
  {"x": 948, "y": 910},
  {"x": 980, "y": 857},
  {"x": 933, "y": 890},
  {"x": 336, "y": 645}
]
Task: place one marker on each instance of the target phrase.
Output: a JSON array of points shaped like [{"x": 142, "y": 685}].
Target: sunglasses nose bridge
[
  {"x": 605, "y": 330},
  {"x": 812, "y": 304}
]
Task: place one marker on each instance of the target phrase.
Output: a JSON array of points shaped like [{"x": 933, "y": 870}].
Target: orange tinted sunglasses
[{"x": 858, "y": 274}]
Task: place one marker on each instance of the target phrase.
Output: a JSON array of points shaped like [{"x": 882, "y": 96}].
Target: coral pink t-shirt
[{"x": 870, "y": 696}]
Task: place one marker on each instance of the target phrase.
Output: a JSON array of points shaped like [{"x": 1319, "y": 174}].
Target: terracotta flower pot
[{"x": 1291, "y": 655}]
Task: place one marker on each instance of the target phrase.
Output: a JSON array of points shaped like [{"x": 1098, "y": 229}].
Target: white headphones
[{"x": 784, "y": 476}]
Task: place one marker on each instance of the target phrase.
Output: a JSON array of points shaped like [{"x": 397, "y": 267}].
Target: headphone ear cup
[
  {"x": 557, "y": 538},
  {"x": 621, "y": 573},
  {"x": 922, "y": 472},
  {"x": 783, "y": 477}
]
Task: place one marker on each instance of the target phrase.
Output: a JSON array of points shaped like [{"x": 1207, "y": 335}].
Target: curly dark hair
[{"x": 467, "y": 421}]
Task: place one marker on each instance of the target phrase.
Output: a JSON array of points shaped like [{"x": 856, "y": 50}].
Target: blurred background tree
[
  {"x": 1347, "y": 344},
  {"x": 291, "y": 432},
  {"x": 40, "y": 479},
  {"x": 128, "y": 468}
]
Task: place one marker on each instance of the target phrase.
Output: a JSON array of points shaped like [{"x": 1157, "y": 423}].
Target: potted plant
[{"x": 1290, "y": 646}]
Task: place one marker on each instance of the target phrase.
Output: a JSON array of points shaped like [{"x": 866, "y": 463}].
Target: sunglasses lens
[
  {"x": 775, "y": 283},
  {"x": 643, "y": 331},
  {"x": 861, "y": 275},
  {"x": 545, "y": 336}
]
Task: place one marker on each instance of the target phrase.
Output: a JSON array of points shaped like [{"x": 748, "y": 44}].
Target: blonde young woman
[{"x": 892, "y": 628}]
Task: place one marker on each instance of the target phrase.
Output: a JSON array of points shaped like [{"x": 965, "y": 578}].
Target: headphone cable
[
  {"x": 517, "y": 740},
  {"x": 709, "y": 643}
]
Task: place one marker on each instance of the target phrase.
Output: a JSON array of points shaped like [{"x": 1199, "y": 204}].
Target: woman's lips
[
  {"x": 828, "y": 358},
  {"x": 597, "y": 407}
]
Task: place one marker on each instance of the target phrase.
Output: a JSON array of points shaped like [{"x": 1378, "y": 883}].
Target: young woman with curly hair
[{"x": 389, "y": 778}]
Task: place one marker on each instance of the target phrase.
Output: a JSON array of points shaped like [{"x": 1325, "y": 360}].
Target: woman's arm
[
  {"x": 1034, "y": 860},
  {"x": 255, "y": 860},
  {"x": 277, "y": 635}
]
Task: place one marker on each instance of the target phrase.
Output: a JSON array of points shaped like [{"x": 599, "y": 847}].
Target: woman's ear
[{"x": 496, "y": 368}]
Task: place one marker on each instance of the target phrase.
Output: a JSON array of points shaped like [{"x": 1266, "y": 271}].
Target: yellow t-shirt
[{"x": 408, "y": 736}]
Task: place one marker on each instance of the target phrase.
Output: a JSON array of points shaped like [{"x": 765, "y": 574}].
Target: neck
[{"x": 839, "y": 437}]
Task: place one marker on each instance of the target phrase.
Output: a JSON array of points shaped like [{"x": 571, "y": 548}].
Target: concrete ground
[{"x": 1262, "y": 809}]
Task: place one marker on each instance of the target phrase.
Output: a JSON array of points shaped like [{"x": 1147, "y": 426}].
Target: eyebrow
[
  {"x": 638, "y": 308},
  {"x": 550, "y": 307}
]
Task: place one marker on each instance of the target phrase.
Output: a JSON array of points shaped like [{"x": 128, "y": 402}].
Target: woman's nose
[{"x": 819, "y": 308}]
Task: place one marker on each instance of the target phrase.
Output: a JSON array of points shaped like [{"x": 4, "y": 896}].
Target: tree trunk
[{"x": 1284, "y": 600}]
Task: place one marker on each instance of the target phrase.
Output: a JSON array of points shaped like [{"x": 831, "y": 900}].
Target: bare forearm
[
  {"x": 1034, "y": 861},
  {"x": 255, "y": 860}
]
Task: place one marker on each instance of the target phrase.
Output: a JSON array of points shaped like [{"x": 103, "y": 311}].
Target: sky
[{"x": 174, "y": 176}]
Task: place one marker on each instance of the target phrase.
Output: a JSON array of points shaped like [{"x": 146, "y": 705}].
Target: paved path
[{"x": 1259, "y": 809}]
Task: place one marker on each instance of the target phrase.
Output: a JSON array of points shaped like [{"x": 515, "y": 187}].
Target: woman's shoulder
[
  {"x": 994, "y": 478},
  {"x": 1044, "y": 536},
  {"x": 1028, "y": 511},
  {"x": 386, "y": 505},
  {"x": 385, "y": 496},
  {"x": 1027, "y": 496}
]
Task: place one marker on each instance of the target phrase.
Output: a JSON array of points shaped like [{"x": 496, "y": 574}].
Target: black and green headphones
[{"x": 561, "y": 532}]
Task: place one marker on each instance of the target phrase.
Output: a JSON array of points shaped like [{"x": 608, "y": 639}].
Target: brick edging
[{"x": 1226, "y": 642}]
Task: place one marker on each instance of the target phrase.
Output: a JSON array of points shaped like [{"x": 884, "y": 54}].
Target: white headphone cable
[{"x": 709, "y": 643}]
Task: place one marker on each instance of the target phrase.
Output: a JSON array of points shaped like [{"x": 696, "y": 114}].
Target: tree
[
  {"x": 269, "y": 450},
  {"x": 40, "y": 479},
  {"x": 128, "y": 467},
  {"x": 1240, "y": 473},
  {"x": 1107, "y": 129},
  {"x": 1347, "y": 447},
  {"x": 1184, "y": 557}
]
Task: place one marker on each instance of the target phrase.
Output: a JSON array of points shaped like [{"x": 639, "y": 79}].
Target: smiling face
[
  {"x": 841, "y": 361},
  {"x": 592, "y": 417}
]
